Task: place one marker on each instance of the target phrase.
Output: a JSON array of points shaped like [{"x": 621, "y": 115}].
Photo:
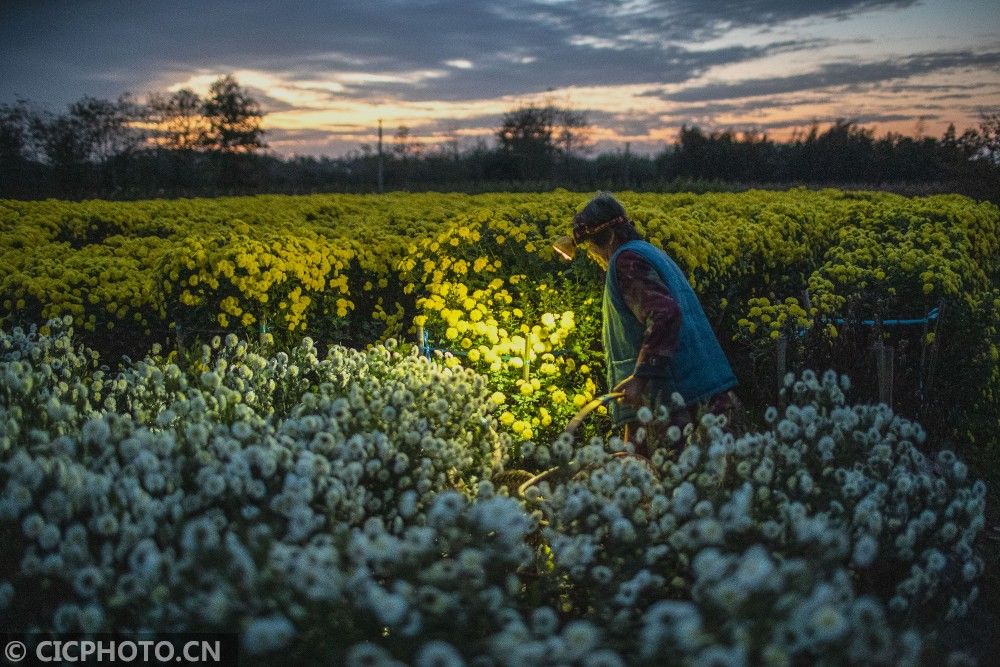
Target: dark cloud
[
  {"x": 312, "y": 135},
  {"x": 950, "y": 96},
  {"x": 267, "y": 103},
  {"x": 742, "y": 107},
  {"x": 699, "y": 20},
  {"x": 449, "y": 50},
  {"x": 860, "y": 119},
  {"x": 837, "y": 74},
  {"x": 907, "y": 87},
  {"x": 55, "y": 52},
  {"x": 447, "y": 125}
]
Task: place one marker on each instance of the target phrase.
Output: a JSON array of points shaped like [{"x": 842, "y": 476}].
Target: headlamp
[
  {"x": 583, "y": 230},
  {"x": 566, "y": 247}
]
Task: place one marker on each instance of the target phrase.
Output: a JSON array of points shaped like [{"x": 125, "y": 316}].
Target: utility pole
[
  {"x": 380, "y": 183},
  {"x": 628, "y": 161}
]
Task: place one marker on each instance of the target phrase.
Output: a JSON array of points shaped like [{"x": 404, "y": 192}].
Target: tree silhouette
[
  {"x": 178, "y": 120},
  {"x": 532, "y": 136},
  {"x": 62, "y": 147},
  {"x": 107, "y": 128},
  {"x": 18, "y": 154},
  {"x": 234, "y": 118},
  {"x": 15, "y": 135},
  {"x": 989, "y": 131}
]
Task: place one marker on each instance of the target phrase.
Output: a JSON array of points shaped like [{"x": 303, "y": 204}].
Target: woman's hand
[{"x": 634, "y": 389}]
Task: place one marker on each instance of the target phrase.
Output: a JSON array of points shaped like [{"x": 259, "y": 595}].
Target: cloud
[
  {"x": 611, "y": 25},
  {"x": 313, "y": 134},
  {"x": 859, "y": 119},
  {"x": 439, "y": 49},
  {"x": 327, "y": 68},
  {"x": 837, "y": 74},
  {"x": 267, "y": 103},
  {"x": 704, "y": 19},
  {"x": 909, "y": 87}
]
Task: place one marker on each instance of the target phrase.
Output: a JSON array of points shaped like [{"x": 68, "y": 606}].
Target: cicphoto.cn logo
[{"x": 189, "y": 649}]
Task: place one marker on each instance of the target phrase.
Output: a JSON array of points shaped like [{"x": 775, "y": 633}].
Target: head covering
[{"x": 601, "y": 212}]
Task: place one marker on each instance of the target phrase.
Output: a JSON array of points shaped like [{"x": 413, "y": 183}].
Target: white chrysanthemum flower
[
  {"x": 66, "y": 617},
  {"x": 865, "y": 550},
  {"x": 644, "y": 415},
  {"x": 437, "y": 653},
  {"x": 711, "y": 531},
  {"x": 723, "y": 656},
  {"x": 602, "y": 658},
  {"x": 214, "y": 485},
  {"x": 684, "y": 498},
  {"x": 210, "y": 380},
  {"x": 32, "y": 526},
  {"x": 755, "y": 569},
  {"x": 199, "y": 534},
  {"x": 95, "y": 431},
  {"x": 389, "y": 608},
  {"x": 268, "y": 633},
  {"x": 6, "y": 594},
  {"x": 368, "y": 654},
  {"x": 544, "y": 621},
  {"x": 87, "y": 581},
  {"x": 827, "y": 623},
  {"x": 788, "y": 429},
  {"x": 91, "y": 618},
  {"x": 49, "y": 536},
  {"x": 764, "y": 472},
  {"x": 602, "y": 574},
  {"x": 936, "y": 561},
  {"x": 216, "y": 607},
  {"x": 770, "y": 414},
  {"x": 562, "y": 450},
  {"x": 579, "y": 637},
  {"x": 622, "y": 530}
]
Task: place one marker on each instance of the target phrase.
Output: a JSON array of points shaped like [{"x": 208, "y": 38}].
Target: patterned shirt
[{"x": 647, "y": 297}]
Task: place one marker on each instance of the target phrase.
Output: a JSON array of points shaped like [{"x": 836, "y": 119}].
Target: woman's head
[
  {"x": 602, "y": 207},
  {"x": 602, "y": 225},
  {"x": 599, "y": 227}
]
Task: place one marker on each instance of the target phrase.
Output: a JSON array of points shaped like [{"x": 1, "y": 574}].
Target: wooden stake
[
  {"x": 781, "y": 358},
  {"x": 886, "y": 362},
  {"x": 933, "y": 354},
  {"x": 181, "y": 359}
]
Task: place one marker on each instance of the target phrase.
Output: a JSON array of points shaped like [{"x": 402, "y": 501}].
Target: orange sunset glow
[{"x": 325, "y": 74}]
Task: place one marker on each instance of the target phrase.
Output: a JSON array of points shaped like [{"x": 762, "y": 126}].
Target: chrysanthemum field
[{"x": 301, "y": 419}]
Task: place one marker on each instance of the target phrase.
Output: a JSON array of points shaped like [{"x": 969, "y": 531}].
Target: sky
[{"x": 325, "y": 71}]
